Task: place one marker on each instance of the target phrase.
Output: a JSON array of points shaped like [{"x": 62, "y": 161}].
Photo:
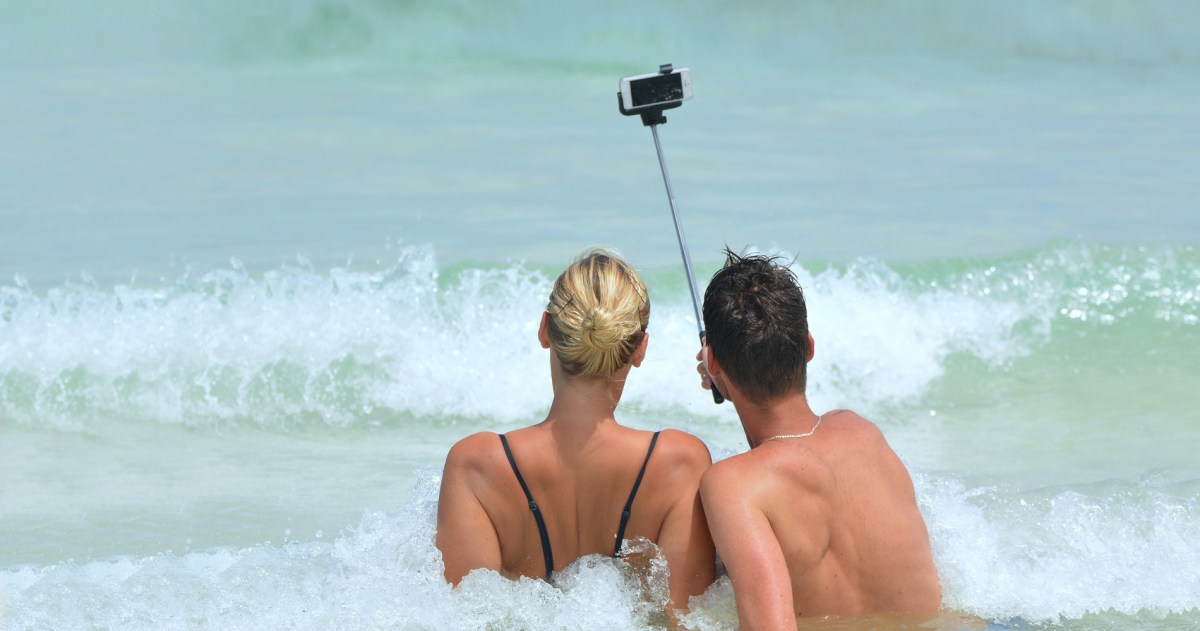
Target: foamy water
[
  {"x": 299, "y": 346},
  {"x": 1002, "y": 557},
  {"x": 260, "y": 266},
  {"x": 369, "y": 358}
]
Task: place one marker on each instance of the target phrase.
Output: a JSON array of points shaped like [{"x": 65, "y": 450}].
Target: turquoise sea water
[{"x": 261, "y": 264}]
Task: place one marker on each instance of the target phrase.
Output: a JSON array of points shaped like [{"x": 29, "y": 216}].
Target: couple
[{"x": 818, "y": 518}]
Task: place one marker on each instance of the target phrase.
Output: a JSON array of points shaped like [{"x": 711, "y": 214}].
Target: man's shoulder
[
  {"x": 849, "y": 426},
  {"x": 732, "y": 467},
  {"x": 851, "y": 419},
  {"x": 737, "y": 477},
  {"x": 764, "y": 475}
]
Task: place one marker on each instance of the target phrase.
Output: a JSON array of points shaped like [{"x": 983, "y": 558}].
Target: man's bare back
[
  {"x": 831, "y": 515},
  {"x": 819, "y": 518}
]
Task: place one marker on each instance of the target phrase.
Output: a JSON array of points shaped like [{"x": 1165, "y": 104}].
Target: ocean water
[{"x": 262, "y": 263}]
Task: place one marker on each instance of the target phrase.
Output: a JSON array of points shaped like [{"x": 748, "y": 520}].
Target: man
[{"x": 819, "y": 518}]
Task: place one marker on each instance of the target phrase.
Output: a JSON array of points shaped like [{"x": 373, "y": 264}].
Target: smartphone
[{"x": 647, "y": 90}]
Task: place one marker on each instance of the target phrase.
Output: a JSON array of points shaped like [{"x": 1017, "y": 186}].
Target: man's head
[{"x": 757, "y": 326}]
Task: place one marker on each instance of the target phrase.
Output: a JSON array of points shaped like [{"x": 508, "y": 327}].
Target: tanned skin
[
  {"x": 580, "y": 465},
  {"x": 816, "y": 526}
]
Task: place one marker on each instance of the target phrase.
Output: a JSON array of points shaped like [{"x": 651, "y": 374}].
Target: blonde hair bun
[{"x": 599, "y": 310}]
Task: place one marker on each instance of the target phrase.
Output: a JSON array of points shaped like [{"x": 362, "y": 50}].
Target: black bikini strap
[
  {"x": 533, "y": 508},
  {"x": 633, "y": 494}
]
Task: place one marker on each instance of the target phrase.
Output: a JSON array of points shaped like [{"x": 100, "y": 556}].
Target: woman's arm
[
  {"x": 465, "y": 533},
  {"x": 684, "y": 538}
]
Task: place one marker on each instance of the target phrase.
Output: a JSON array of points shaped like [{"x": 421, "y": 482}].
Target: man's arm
[
  {"x": 747, "y": 545},
  {"x": 465, "y": 533}
]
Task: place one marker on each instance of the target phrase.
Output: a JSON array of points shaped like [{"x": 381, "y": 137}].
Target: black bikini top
[{"x": 541, "y": 522}]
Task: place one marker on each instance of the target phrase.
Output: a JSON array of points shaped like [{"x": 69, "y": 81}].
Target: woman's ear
[
  {"x": 812, "y": 348},
  {"x": 639, "y": 353},
  {"x": 544, "y": 330}
]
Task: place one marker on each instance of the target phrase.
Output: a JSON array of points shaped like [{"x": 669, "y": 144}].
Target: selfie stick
[{"x": 652, "y": 117}]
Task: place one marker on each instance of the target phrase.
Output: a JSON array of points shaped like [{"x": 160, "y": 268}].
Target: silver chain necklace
[{"x": 804, "y": 435}]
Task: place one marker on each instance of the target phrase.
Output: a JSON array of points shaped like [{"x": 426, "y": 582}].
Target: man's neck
[{"x": 786, "y": 415}]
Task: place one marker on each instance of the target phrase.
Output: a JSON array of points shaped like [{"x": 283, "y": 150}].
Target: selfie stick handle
[{"x": 683, "y": 249}]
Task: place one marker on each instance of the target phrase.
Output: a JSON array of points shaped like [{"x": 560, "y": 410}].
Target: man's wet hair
[{"x": 757, "y": 325}]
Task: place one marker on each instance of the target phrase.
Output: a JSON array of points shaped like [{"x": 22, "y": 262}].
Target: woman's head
[{"x": 597, "y": 314}]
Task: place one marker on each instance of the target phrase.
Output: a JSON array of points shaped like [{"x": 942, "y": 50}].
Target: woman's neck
[{"x": 581, "y": 407}]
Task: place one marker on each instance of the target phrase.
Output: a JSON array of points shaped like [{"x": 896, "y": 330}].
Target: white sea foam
[
  {"x": 342, "y": 347},
  {"x": 385, "y": 573},
  {"x": 3, "y": 607},
  {"x": 1042, "y": 558},
  {"x": 1063, "y": 554},
  {"x": 879, "y": 340},
  {"x": 294, "y": 345}
]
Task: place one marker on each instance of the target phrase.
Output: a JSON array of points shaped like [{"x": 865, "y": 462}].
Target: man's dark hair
[{"x": 757, "y": 325}]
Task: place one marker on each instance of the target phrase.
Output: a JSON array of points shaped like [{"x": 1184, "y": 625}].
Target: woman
[{"x": 530, "y": 502}]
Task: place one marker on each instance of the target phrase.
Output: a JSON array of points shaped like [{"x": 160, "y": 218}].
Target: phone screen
[{"x": 660, "y": 89}]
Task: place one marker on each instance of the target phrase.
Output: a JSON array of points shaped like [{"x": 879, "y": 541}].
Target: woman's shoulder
[
  {"x": 477, "y": 451},
  {"x": 681, "y": 453}
]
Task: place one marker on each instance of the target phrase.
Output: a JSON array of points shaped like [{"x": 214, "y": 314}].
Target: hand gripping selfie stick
[{"x": 652, "y": 117}]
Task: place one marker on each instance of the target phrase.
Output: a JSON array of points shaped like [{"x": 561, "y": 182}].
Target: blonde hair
[{"x": 599, "y": 310}]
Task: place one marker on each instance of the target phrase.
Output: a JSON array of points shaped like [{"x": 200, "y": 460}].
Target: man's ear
[
  {"x": 544, "y": 330},
  {"x": 812, "y": 348},
  {"x": 710, "y": 362},
  {"x": 639, "y": 353},
  {"x": 717, "y": 374}
]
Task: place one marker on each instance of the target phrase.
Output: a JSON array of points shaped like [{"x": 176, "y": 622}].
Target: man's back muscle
[{"x": 840, "y": 505}]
